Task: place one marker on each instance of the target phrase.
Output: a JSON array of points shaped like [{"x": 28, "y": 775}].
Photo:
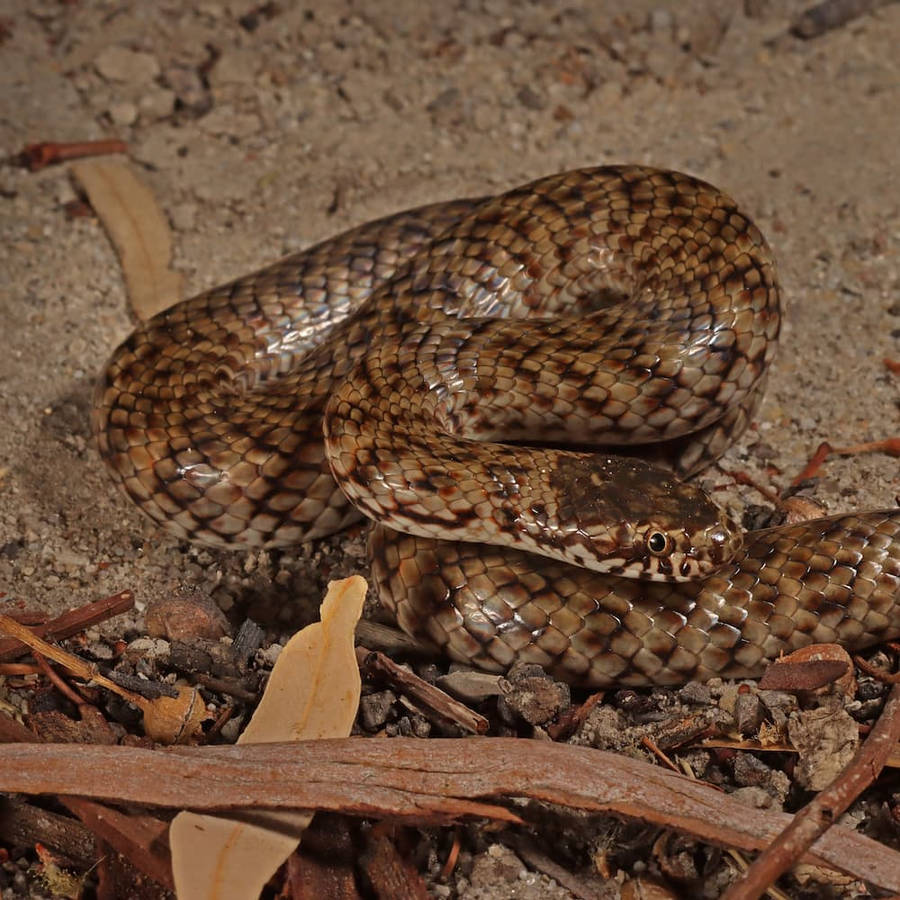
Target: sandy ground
[{"x": 262, "y": 132}]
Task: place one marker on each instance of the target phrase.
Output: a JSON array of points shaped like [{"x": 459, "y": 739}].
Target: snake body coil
[{"x": 613, "y": 307}]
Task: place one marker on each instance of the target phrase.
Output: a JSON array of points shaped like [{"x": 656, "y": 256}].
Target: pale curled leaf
[
  {"x": 313, "y": 692},
  {"x": 139, "y": 231}
]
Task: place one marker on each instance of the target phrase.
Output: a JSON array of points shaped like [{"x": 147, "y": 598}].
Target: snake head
[
  {"x": 627, "y": 517},
  {"x": 674, "y": 553}
]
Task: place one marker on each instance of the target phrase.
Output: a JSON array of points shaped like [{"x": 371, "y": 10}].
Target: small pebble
[
  {"x": 748, "y": 713},
  {"x": 185, "y": 618},
  {"x": 121, "y": 64},
  {"x": 123, "y": 113},
  {"x": 375, "y": 708},
  {"x": 531, "y": 694}
]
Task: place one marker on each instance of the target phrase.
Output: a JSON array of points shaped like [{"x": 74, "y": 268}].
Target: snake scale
[{"x": 450, "y": 355}]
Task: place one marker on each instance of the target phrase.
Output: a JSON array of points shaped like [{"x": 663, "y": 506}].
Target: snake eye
[{"x": 657, "y": 543}]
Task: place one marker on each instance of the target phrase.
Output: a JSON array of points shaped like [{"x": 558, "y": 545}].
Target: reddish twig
[
  {"x": 452, "y": 857},
  {"x": 811, "y": 469},
  {"x": 820, "y": 814},
  {"x": 71, "y": 622},
  {"x": 744, "y": 478},
  {"x": 19, "y": 669},
  {"x": 654, "y": 749},
  {"x": 891, "y": 446},
  {"x": 47, "y": 153},
  {"x": 56, "y": 680},
  {"x": 877, "y": 672}
]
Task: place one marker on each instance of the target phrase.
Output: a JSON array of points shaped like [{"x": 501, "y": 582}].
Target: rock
[
  {"x": 123, "y": 113},
  {"x": 826, "y": 740},
  {"x": 375, "y": 708},
  {"x": 696, "y": 694},
  {"x": 157, "y": 104},
  {"x": 186, "y": 618},
  {"x": 469, "y": 685},
  {"x": 183, "y": 216},
  {"x": 748, "y": 713},
  {"x": 531, "y": 694},
  {"x": 234, "y": 67},
  {"x": 124, "y": 65},
  {"x": 224, "y": 120},
  {"x": 530, "y": 99}
]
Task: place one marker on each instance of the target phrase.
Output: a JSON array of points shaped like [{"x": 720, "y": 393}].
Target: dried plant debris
[
  {"x": 312, "y": 693},
  {"x": 139, "y": 231}
]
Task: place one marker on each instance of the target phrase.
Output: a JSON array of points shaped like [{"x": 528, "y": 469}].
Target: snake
[{"x": 517, "y": 389}]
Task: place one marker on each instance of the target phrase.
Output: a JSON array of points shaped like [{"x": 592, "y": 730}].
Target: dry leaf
[
  {"x": 313, "y": 692},
  {"x": 139, "y": 231}
]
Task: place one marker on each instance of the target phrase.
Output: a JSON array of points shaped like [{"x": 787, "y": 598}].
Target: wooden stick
[
  {"x": 415, "y": 781},
  {"x": 72, "y": 622}
]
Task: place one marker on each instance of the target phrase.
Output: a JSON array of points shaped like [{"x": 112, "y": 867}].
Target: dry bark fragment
[{"x": 435, "y": 781}]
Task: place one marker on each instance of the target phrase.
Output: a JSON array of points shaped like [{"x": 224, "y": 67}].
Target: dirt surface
[{"x": 263, "y": 130}]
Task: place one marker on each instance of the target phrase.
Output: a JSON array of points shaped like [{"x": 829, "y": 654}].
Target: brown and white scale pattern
[{"x": 614, "y": 307}]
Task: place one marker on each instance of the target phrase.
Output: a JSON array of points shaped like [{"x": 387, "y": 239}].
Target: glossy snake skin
[{"x": 615, "y": 307}]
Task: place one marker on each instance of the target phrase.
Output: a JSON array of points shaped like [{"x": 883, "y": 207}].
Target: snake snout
[{"x": 681, "y": 554}]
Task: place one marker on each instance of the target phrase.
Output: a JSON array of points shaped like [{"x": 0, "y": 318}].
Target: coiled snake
[{"x": 618, "y": 307}]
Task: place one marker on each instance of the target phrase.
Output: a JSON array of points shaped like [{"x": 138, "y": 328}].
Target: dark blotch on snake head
[{"x": 628, "y": 517}]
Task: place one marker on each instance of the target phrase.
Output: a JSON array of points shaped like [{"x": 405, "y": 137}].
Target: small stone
[
  {"x": 186, "y": 618},
  {"x": 183, "y": 216},
  {"x": 755, "y": 797},
  {"x": 661, "y": 19},
  {"x": 234, "y": 67},
  {"x": 469, "y": 685},
  {"x": 695, "y": 693},
  {"x": 750, "y": 771},
  {"x": 157, "y": 104},
  {"x": 531, "y": 694},
  {"x": 224, "y": 120},
  {"x": 232, "y": 729},
  {"x": 151, "y": 649},
  {"x": 269, "y": 655},
  {"x": 748, "y": 713},
  {"x": 63, "y": 194},
  {"x": 374, "y": 709},
  {"x": 188, "y": 87},
  {"x": 825, "y": 740},
  {"x": 123, "y": 113},
  {"x": 446, "y": 107},
  {"x": 530, "y": 99},
  {"x": 121, "y": 64}
]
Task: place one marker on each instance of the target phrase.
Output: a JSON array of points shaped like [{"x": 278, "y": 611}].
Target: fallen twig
[
  {"x": 69, "y": 623},
  {"x": 433, "y": 699},
  {"x": 140, "y": 839},
  {"x": 39, "y": 156},
  {"x": 823, "y": 811},
  {"x": 435, "y": 781},
  {"x": 891, "y": 446},
  {"x": 22, "y": 824}
]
